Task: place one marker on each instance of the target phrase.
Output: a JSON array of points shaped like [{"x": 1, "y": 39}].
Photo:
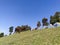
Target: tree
[
  {"x": 55, "y": 18},
  {"x": 28, "y": 27},
  {"x": 45, "y": 22},
  {"x": 10, "y": 30},
  {"x": 25, "y": 27},
  {"x": 18, "y": 29},
  {"x": 38, "y": 24},
  {"x": 22, "y": 28},
  {"x": 52, "y": 20},
  {"x": 1, "y": 34}
]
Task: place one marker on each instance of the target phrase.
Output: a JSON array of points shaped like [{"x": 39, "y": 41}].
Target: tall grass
[{"x": 37, "y": 37}]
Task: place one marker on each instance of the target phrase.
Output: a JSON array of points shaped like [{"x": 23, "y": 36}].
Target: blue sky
[{"x": 21, "y": 12}]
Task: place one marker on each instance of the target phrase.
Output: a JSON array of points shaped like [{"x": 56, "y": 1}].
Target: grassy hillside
[{"x": 37, "y": 37}]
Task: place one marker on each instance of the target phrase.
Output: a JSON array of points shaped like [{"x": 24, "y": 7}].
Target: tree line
[{"x": 53, "y": 19}]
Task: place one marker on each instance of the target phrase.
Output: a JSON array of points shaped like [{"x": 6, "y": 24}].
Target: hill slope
[{"x": 37, "y": 37}]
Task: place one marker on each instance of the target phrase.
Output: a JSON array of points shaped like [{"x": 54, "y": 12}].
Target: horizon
[{"x": 25, "y": 12}]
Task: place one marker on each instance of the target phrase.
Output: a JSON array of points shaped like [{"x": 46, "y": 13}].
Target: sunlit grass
[{"x": 36, "y": 37}]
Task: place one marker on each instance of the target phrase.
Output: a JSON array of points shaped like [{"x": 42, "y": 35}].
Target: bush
[
  {"x": 22, "y": 28},
  {"x": 1, "y": 34}
]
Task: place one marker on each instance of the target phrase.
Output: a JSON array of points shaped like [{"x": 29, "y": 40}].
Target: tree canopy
[{"x": 55, "y": 18}]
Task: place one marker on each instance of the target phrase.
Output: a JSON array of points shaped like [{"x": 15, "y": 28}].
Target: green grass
[{"x": 36, "y": 37}]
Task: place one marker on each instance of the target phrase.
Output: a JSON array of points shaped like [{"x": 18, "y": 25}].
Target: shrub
[
  {"x": 1, "y": 34},
  {"x": 22, "y": 28}
]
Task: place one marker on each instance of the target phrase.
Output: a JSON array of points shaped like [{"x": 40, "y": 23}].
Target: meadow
[{"x": 36, "y": 37}]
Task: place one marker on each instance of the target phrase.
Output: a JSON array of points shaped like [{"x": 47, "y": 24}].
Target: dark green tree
[
  {"x": 38, "y": 24},
  {"x": 52, "y": 20},
  {"x": 1, "y": 34},
  {"x": 10, "y": 30},
  {"x": 28, "y": 27},
  {"x": 25, "y": 27},
  {"x": 55, "y": 18},
  {"x": 45, "y": 22}
]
